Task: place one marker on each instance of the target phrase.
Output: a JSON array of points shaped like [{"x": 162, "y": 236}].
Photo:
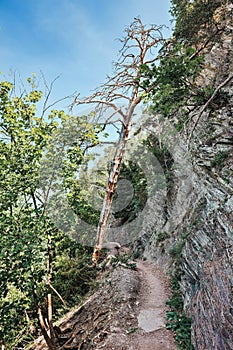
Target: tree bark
[
  {"x": 50, "y": 320},
  {"x": 48, "y": 340},
  {"x": 110, "y": 190},
  {"x": 128, "y": 83}
]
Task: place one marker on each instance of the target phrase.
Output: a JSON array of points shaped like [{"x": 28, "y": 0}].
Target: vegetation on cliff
[{"x": 40, "y": 260}]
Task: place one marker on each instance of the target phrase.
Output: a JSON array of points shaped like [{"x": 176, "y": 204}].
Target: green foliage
[
  {"x": 23, "y": 138},
  {"x": 220, "y": 159},
  {"x": 227, "y": 176},
  {"x": 23, "y": 238},
  {"x": 162, "y": 236},
  {"x": 203, "y": 94},
  {"x": 172, "y": 79},
  {"x": 160, "y": 151},
  {"x": 13, "y": 303},
  {"x": 29, "y": 241},
  {"x": 124, "y": 259},
  {"x": 23, "y": 266},
  {"x": 163, "y": 155},
  {"x": 132, "y": 172},
  {"x": 177, "y": 321},
  {"x": 133, "y": 330},
  {"x": 74, "y": 277},
  {"x": 193, "y": 15},
  {"x": 81, "y": 205},
  {"x": 176, "y": 250},
  {"x": 60, "y": 175}
]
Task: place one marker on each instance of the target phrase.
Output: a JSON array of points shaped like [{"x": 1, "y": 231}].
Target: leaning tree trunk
[
  {"x": 129, "y": 76},
  {"x": 110, "y": 190}
]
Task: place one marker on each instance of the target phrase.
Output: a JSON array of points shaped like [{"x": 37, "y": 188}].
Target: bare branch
[
  {"x": 100, "y": 102},
  {"x": 126, "y": 84},
  {"x": 57, "y": 293},
  {"x": 48, "y": 92},
  {"x": 107, "y": 121},
  {"x": 196, "y": 53},
  {"x": 218, "y": 88}
]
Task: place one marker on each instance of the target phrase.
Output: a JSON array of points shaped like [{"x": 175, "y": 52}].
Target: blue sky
[{"x": 73, "y": 39}]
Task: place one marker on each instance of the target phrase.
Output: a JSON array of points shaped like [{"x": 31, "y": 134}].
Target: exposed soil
[
  {"x": 152, "y": 334},
  {"x": 150, "y": 330},
  {"x": 126, "y": 313}
]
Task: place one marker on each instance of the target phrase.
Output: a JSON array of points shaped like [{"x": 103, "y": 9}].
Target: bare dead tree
[{"x": 126, "y": 86}]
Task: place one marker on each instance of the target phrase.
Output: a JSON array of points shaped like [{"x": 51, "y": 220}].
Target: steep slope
[
  {"x": 207, "y": 256},
  {"x": 196, "y": 240},
  {"x": 127, "y": 312}
]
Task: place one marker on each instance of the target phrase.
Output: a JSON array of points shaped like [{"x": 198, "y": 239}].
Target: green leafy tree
[
  {"x": 29, "y": 239},
  {"x": 23, "y": 229}
]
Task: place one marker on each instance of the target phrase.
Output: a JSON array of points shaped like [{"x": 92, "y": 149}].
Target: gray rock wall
[{"x": 204, "y": 231}]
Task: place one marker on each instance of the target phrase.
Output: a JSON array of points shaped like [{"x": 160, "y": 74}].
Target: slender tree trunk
[
  {"x": 50, "y": 320},
  {"x": 128, "y": 83},
  {"x": 48, "y": 340},
  {"x": 110, "y": 190}
]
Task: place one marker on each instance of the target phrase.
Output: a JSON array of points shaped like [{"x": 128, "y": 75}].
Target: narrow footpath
[
  {"x": 128, "y": 312},
  {"x": 152, "y": 332}
]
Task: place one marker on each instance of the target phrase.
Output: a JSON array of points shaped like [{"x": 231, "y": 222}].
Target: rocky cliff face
[
  {"x": 197, "y": 234},
  {"x": 207, "y": 255}
]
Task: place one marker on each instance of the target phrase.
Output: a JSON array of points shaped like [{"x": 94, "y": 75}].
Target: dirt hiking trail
[
  {"x": 152, "y": 333},
  {"x": 127, "y": 312},
  {"x": 144, "y": 327}
]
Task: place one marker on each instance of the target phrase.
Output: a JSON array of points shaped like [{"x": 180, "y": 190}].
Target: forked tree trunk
[
  {"x": 48, "y": 334},
  {"x": 50, "y": 343}
]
